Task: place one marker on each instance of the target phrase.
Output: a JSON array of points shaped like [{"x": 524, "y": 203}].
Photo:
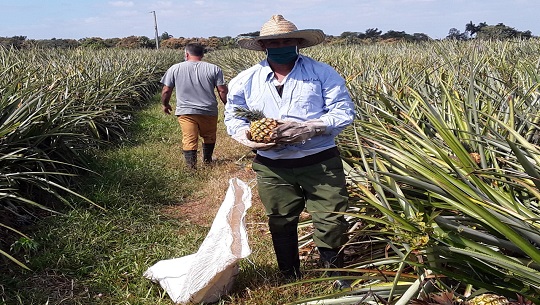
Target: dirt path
[
  {"x": 201, "y": 208},
  {"x": 232, "y": 160}
]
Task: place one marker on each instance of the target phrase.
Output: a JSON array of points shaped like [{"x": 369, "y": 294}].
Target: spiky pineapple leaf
[{"x": 251, "y": 115}]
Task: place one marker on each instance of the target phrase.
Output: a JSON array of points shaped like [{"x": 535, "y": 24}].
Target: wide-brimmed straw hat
[{"x": 279, "y": 27}]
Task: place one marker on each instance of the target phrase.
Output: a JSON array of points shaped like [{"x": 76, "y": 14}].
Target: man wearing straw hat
[{"x": 301, "y": 167}]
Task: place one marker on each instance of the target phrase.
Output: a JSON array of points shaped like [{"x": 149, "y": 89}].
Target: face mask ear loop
[
  {"x": 266, "y": 52},
  {"x": 297, "y": 50}
]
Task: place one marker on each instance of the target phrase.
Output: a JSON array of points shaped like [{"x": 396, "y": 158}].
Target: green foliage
[
  {"x": 165, "y": 36},
  {"x": 501, "y": 32},
  {"x": 16, "y": 42},
  {"x": 56, "y": 44},
  {"x": 455, "y": 34},
  {"x": 56, "y": 107},
  {"x": 374, "y": 34},
  {"x": 494, "y": 32},
  {"x": 136, "y": 42},
  {"x": 412, "y": 154},
  {"x": 92, "y": 255},
  {"x": 94, "y": 43}
]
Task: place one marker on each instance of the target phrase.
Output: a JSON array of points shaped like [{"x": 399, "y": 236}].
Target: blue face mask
[{"x": 283, "y": 55}]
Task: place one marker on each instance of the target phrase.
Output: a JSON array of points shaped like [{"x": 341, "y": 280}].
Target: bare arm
[
  {"x": 222, "y": 91},
  {"x": 166, "y": 93}
]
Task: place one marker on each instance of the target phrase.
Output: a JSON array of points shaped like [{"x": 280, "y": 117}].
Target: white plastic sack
[{"x": 210, "y": 272}]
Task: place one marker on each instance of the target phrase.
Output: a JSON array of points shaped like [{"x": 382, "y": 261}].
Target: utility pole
[{"x": 155, "y": 27}]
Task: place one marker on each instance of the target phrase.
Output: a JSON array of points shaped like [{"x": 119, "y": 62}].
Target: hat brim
[{"x": 309, "y": 38}]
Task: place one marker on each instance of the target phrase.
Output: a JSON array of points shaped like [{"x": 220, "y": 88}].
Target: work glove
[
  {"x": 243, "y": 136},
  {"x": 288, "y": 132}
]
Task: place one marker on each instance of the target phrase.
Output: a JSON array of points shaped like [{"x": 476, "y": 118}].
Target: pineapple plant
[{"x": 260, "y": 126}]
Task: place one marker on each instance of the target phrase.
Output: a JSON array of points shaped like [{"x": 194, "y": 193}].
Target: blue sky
[{"x": 45, "y": 19}]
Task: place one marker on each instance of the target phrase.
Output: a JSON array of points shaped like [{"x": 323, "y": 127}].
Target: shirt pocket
[{"x": 307, "y": 99}]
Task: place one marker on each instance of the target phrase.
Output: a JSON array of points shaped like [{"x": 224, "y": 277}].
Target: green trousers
[{"x": 319, "y": 188}]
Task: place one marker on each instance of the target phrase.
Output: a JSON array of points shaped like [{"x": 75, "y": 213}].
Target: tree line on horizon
[{"x": 482, "y": 31}]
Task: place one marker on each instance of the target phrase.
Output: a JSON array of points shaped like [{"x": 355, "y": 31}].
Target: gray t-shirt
[{"x": 195, "y": 82}]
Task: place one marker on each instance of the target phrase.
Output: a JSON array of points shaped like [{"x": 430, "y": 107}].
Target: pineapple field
[
  {"x": 442, "y": 161},
  {"x": 56, "y": 107}
]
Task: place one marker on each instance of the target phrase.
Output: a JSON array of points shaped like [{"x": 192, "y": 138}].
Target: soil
[{"x": 210, "y": 197}]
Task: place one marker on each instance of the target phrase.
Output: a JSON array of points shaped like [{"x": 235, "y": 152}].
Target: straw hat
[{"x": 279, "y": 27}]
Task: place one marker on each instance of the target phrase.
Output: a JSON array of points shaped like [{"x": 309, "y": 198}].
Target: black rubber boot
[
  {"x": 288, "y": 258},
  {"x": 333, "y": 258},
  {"x": 207, "y": 151},
  {"x": 191, "y": 158}
]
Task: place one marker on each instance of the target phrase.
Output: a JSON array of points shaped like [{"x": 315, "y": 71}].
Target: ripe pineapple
[
  {"x": 488, "y": 299},
  {"x": 261, "y": 127}
]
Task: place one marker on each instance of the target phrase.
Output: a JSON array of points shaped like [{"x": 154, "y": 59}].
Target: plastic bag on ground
[{"x": 208, "y": 274}]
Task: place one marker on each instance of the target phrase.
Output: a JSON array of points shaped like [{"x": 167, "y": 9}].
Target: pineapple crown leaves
[{"x": 248, "y": 114}]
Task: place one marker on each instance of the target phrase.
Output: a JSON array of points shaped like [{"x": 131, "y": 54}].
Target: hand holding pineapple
[
  {"x": 257, "y": 136},
  {"x": 288, "y": 132},
  {"x": 269, "y": 131},
  {"x": 243, "y": 136}
]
